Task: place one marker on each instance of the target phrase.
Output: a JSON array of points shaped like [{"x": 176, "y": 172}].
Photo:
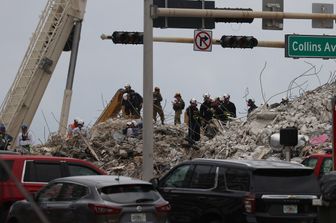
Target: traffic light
[
  {"x": 238, "y": 42},
  {"x": 234, "y": 20},
  {"x": 119, "y": 37}
]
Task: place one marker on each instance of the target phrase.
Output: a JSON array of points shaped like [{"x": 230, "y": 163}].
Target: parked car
[
  {"x": 94, "y": 199},
  {"x": 239, "y": 191},
  {"x": 322, "y": 163},
  {"x": 34, "y": 172}
]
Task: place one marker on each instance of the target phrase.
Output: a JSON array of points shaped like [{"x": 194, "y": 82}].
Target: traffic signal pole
[
  {"x": 210, "y": 13},
  {"x": 147, "y": 152}
]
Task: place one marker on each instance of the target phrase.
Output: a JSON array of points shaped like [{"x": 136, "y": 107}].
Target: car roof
[
  {"x": 36, "y": 157},
  {"x": 100, "y": 181},
  {"x": 254, "y": 164}
]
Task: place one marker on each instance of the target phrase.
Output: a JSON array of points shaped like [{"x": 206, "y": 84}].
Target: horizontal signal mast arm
[
  {"x": 272, "y": 44},
  {"x": 211, "y": 13}
]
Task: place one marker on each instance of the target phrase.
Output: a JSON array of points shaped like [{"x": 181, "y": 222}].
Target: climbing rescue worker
[
  {"x": 251, "y": 105},
  {"x": 72, "y": 127}
]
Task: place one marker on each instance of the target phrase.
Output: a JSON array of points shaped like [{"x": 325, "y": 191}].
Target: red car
[
  {"x": 34, "y": 172},
  {"x": 322, "y": 163}
]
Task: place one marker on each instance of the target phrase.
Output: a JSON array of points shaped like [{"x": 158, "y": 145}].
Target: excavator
[{"x": 58, "y": 30}]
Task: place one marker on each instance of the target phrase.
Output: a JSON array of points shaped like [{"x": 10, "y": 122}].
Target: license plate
[
  {"x": 138, "y": 217},
  {"x": 290, "y": 209}
]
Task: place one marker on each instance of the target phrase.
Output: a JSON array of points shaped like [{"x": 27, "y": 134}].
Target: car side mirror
[{"x": 155, "y": 182}]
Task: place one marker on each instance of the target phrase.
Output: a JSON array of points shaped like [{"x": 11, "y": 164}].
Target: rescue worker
[
  {"x": 178, "y": 106},
  {"x": 157, "y": 109},
  {"x": 5, "y": 139},
  {"x": 136, "y": 102},
  {"x": 132, "y": 129},
  {"x": 217, "y": 109},
  {"x": 229, "y": 106},
  {"x": 127, "y": 107},
  {"x": 25, "y": 140},
  {"x": 194, "y": 125},
  {"x": 80, "y": 130},
  {"x": 72, "y": 127},
  {"x": 251, "y": 105},
  {"x": 205, "y": 109},
  {"x": 128, "y": 89}
]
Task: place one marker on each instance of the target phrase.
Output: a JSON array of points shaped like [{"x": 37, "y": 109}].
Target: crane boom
[{"x": 45, "y": 48}]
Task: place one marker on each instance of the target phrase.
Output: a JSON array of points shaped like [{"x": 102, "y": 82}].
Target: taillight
[
  {"x": 165, "y": 207},
  {"x": 100, "y": 209},
  {"x": 250, "y": 204}
]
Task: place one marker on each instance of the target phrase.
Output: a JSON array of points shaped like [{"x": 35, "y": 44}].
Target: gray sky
[{"x": 103, "y": 67}]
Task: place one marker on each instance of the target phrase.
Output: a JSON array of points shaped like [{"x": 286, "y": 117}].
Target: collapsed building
[{"x": 249, "y": 138}]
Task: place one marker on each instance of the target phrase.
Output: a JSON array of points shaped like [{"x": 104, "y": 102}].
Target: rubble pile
[{"x": 249, "y": 138}]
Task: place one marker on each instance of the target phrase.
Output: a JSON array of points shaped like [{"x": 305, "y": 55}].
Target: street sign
[
  {"x": 272, "y": 6},
  {"x": 184, "y": 22},
  {"x": 310, "y": 46},
  {"x": 323, "y": 23},
  {"x": 203, "y": 40}
]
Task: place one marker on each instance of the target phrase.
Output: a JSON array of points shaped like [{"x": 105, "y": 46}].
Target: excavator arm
[{"x": 48, "y": 42}]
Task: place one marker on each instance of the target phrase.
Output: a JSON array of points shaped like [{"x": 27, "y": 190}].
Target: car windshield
[
  {"x": 132, "y": 193},
  {"x": 310, "y": 162},
  {"x": 284, "y": 181}
]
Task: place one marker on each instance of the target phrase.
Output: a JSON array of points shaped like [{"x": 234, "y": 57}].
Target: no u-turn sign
[{"x": 202, "y": 40}]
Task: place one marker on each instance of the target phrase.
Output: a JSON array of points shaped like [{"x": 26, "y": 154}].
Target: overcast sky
[{"x": 103, "y": 67}]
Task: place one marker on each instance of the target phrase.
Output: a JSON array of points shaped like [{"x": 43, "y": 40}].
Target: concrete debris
[{"x": 239, "y": 139}]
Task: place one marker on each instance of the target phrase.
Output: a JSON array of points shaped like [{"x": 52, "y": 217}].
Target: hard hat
[
  {"x": 206, "y": 95},
  {"x": 222, "y": 98},
  {"x": 177, "y": 94},
  {"x": 125, "y": 96},
  {"x": 250, "y": 101},
  {"x": 24, "y": 126},
  {"x": 227, "y": 96},
  {"x": 134, "y": 122},
  {"x": 2, "y": 128},
  {"x": 193, "y": 101},
  {"x": 127, "y": 85},
  {"x": 77, "y": 119},
  {"x": 129, "y": 123},
  {"x": 81, "y": 122}
]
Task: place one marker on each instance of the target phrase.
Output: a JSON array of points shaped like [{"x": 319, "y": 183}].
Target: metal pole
[
  {"x": 334, "y": 131},
  {"x": 70, "y": 79},
  {"x": 148, "y": 92},
  {"x": 288, "y": 153},
  {"x": 211, "y": 13},
  {"x": 261, "y": 43}
]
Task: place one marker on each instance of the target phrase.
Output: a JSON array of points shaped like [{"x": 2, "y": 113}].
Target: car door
[
  {"x": 65, "y": 208},
  {"x": 43, "y": 199},
  {"x": 174, "y": 188},
  {"x": 199, "y": 198}
]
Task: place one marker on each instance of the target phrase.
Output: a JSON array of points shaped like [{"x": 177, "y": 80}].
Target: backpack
[{"x": 136, "y": 99}]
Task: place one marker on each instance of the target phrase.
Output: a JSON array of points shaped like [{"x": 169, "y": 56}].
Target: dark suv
[
  {"x": 34, "y": 172},
  {"x": 237, "y": 191}
]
